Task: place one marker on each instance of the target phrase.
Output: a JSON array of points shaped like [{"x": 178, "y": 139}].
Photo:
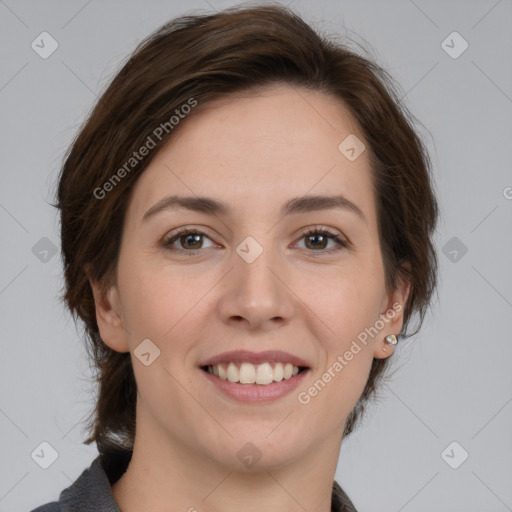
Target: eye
[
  {"x": 189, "y": 239},
  {"x": 317, "y": 238}
]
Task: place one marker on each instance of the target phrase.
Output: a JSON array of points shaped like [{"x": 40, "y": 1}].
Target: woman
[{"x": 247, "y": 222}]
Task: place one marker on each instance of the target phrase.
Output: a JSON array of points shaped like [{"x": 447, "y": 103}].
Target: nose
[{"x": 257, "y": 295}]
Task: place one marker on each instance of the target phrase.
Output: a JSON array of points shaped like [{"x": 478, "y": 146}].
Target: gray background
[{"x": 454, "y": 382}]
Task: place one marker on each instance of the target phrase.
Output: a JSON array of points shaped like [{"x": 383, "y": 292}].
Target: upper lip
[{"x": 246, "y": 356}]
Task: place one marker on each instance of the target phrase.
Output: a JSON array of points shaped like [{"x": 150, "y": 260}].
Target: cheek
[
  {"x": 347, "y": 304},
  {"x": 165, "y": 305},
  {"x": 326, "y": 402},
  {"x": 162, "y": 308},
  {"x": 340, "y": 381},
  {"x": 348, "y": 307}
]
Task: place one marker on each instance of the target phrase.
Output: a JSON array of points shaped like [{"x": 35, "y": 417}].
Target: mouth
[
  {"x": 255, "y": 377},
  {"x": 247, "y": 373}
]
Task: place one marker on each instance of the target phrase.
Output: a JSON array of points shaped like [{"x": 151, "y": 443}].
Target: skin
[{"x": 255, "y": 152}]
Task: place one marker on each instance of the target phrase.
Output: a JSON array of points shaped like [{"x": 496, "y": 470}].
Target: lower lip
[{"x": 256, "y": 392}]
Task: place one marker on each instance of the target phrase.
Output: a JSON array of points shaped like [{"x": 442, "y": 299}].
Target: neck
[{"x": 163, "y": 473}]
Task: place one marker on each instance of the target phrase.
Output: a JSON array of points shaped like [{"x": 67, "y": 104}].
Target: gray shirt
[{"x": 92, "y": 492}]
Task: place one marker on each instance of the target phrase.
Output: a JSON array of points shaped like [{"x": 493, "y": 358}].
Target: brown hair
[{"x": 203, "y": 58}]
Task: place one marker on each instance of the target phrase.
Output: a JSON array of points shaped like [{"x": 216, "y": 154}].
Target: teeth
[
  {"x": 233, "y": 375},
  {"x": 278, "y": 372},
  {"x": 222, "y": 373},
  {"x": 248, "y": 373},
  {"x": 264, "y": 374}
]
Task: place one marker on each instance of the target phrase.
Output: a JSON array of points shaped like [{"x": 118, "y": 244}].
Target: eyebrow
[{"x": 212, "y": 206}]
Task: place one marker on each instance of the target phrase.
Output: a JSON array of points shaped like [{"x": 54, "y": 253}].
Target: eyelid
[
  {"x": 339, "y": 239},
  {"x": 178, "y": 233}
]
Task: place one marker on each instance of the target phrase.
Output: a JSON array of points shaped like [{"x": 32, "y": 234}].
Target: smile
[
  {"x": 254, "y": 376},
  {"x": 247, "y": 373}
]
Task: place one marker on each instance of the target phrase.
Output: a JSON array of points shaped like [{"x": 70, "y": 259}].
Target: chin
[{"x": 255, "y": 452}]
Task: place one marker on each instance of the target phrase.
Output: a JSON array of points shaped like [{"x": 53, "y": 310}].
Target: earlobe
[
  {"x": 109, "y": 316},
  {"x": 393, "y": 318}
]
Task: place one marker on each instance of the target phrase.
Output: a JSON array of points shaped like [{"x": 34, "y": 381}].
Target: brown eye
[
  {"x": 190, "y": 241},
  {"x": 193, "y": 240},
  {"x": 318, "y": 239}
]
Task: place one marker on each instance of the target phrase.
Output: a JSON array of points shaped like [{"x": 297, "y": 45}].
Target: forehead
[{"x": 256, "y": 150}]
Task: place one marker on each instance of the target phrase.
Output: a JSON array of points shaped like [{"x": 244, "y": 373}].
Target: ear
[
  {"x": 392, "y": 314},
  {"x": 109, "y": 316}
]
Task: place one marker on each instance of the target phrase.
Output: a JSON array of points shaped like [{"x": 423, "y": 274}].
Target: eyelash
[{"x": 311, "y": 231}]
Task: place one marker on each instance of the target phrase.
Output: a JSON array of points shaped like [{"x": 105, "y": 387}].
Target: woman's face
[{"x": 251, "y": 279}]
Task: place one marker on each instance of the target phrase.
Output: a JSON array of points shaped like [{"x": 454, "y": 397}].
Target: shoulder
[
  {"x": 91, "y": 491},
  {"x": 48, "y": 507}
]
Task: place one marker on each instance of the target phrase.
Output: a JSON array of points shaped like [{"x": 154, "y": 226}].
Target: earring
[{"x": 390, "y": 339}]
